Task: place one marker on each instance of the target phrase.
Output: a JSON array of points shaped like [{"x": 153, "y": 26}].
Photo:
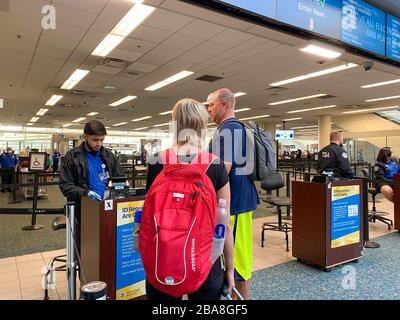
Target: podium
[
  {"x": 328, "y": 222},
  {"x": 107, "y": 246},
  {"x": 396, "y": 199}
]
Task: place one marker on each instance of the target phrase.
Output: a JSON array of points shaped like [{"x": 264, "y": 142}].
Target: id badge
[{"x": 103, "y": 177}]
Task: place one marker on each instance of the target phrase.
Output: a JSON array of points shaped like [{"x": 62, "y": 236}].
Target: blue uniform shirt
[
  {"x": 97, "y": 172},
  {"x": 56, "y": 157},
  {"x": 8, "y": 160},
  {"x": 391, "y": 168},
  {"x": 244, "y": 195}
]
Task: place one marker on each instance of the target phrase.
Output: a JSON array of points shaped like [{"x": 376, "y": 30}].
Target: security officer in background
[
  {"x": 333, "y": 158},
  {"x": 86, "y": 169},
  {"x": 8, "y": 160}
]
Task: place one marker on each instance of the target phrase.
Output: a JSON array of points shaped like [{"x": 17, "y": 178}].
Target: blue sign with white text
[
  {"x": 320, "y": 16},
  {"x": 265, "y": 8},
  {"x": 393, "y": 37},
  {"x": 364, "y": 26}
]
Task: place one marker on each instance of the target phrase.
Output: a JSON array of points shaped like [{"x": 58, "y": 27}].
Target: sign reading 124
[{"x": 320, "y": 16}]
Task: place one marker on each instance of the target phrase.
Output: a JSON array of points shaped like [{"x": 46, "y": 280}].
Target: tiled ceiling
[{"x": 34, "y": 63}]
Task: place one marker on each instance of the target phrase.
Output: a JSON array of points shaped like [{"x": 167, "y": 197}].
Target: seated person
[{"x": 384, "y": 170}]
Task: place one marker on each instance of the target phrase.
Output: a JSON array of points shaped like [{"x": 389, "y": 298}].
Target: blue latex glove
[{"x": 94, "y": 196}]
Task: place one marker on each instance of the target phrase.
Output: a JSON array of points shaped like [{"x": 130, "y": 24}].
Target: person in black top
[
  {"x": 191, "y": 119},
  {"x": 333, "y": 158},
  {"x": 383, "y": 173}
]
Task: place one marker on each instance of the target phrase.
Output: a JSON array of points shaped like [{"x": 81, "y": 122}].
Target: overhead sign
[
  {"x": 393, "y": 37},
  {"x": 284, "y": 134},
  {"x": 37, "y": 161},
  {"x": 320, "y": 16},
  {"x": 130, "y": 276},
  {"x": 265, "y": 8},
  {"x": 345, "y": 216},
  {"x": 363, "y": 26}
]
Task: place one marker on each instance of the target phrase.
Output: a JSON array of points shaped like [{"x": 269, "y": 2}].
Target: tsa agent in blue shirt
[
  {"x": 391, "y": 169},
  {"x": 244, "y": 197},
  {"x": 8, "y": 160},
  {"x": 98, "y": 174}
]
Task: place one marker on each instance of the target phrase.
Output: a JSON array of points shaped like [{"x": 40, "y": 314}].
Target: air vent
[
  {"x": 78, "y": 92},
  {"x": 209, "y": 78},
  {"x": 116, "y": 63},
  {"x": 327, "y": 97}
]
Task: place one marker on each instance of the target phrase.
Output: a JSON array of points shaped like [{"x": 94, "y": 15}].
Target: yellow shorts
[{"x": 243, "y": 253}]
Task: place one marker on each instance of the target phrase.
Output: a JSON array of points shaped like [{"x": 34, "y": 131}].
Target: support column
[
  {"x": 270, "y": 127},
  {"x": 324, "y": 130}
]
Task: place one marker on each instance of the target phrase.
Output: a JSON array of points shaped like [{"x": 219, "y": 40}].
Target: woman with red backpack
[{"x": 177, "y": 224}]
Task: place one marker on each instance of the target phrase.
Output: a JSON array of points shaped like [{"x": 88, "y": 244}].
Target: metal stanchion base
[
  {"x": 33, "y": 227},
  {"x": 371, "y": 245}
]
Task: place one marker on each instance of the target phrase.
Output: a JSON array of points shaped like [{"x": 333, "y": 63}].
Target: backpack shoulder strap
[{"x": 169, "y": 157}]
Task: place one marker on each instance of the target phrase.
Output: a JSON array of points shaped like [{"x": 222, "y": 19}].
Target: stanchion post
[
  {"x": 33, "y": 225},
  {"x": 71, "y": 261}
]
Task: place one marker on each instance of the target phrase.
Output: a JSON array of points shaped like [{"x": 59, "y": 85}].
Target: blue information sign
[
  {"x": 393, "y": 37},
  {"x": 320, "y": 16},
  {"x": 363, "y": 26},
  {"x": 345, "y": 215},
  {"x": 265, "y": 8}
]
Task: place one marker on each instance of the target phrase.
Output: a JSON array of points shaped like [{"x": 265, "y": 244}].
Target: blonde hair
[
  {"x": 336, "y": 135},
  {"x": 191, "y": 119}
]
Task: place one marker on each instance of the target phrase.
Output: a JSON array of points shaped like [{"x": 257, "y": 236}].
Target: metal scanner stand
[{"x": 71, "y": 264}]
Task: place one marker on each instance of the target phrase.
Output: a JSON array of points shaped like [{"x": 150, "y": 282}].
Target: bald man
[{"x": 244, "y": 197}]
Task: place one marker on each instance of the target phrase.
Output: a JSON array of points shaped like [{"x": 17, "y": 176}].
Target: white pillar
[{"x": 324, "y": 130}]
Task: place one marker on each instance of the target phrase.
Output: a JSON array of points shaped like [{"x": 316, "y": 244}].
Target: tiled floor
[{"x": 21, "y": 277}]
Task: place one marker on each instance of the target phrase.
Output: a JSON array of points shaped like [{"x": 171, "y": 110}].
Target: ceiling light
[
  {"x": 143, "y": 118},
  {"x": 109, "y": 43},
  {"x": 379, "y": 84},
  {"x": 34, "y": 119},
  {"x": 174, "y": 78},
  {"x": 242, "y": 110},
  {"x": 315, "y": 74},
  {"x": 384, "y": 98},
  {"x": 321, "y": 49},
  {"x": 304, "y": 127},
  {"x": 161, "y": 125},
  {"x": 292, "y": 119},
  {"x": 257, "y": 117},
  {"x": 79, "y": 119},
  {"x": 1, "y": 103},
  {"x": 74, "y": 79},
  {"x": 317, "y": 108},
  {"x": 122, "y": 101},
  {"x": 29, "y": 124},
  {"x": 67, "y": 125},
  {"x": 297, "y": 99},
  {"x": 372, "y": 109},
  {"x": 42, "y": 112},
  {"x": 119, "y": 124},
  {"x": 53, "y": 100},
  {"x": 132, "y": 19},
  {"x": 165, "y": 113},
  {"x": 239, "y": 94},
  {"x": 92, "y": 114},
  {"x": 143, "y": 128}
]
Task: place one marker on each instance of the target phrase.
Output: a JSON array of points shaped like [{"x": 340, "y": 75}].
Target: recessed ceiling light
[
  {"x": 122, "y": 101},
  {"x": 165, "y": 113},
  {"x": 256, "y": 117},
  {"x": 142, "y": 128},
  {"x": 109, "y": 87},
  {"x": 29, "y": 124},
  {"x": 42, "y": 112},
  {"x": 53, "y": 100},
  {"x": 67, "y": 125},
  {"x": 371, "y": 109},
  {"x": 143, "y": 118},
  {"x": 239, "y": 94},
  {"x": 74, "y": 79},
  {"x": 1, "y": 103},
  {"x": 297, "y": 99},
  {"x": 379, "y": 84},
  {"x": 321, "y": 49},
  {"x": 310, "y": 109},
  {"x": 304, "y": 127},
  {"x": 119, "y": 124},
  {"x": 315, "y": 74},
  {"x": 79, "y": 119},
  {"x": 91, "y": 114},
  {"x": 161, "y": 125},
  {"x": 34, "y": 119},
  {"x": 176, "y": 77},
  {"x": 292, "y": 119},
  {"x": 242, "y": 110},
  {"x": 384, "y": 98}
]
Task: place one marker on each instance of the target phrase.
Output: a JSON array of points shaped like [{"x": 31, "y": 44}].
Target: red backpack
[{"x": 177, "y": 225}]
